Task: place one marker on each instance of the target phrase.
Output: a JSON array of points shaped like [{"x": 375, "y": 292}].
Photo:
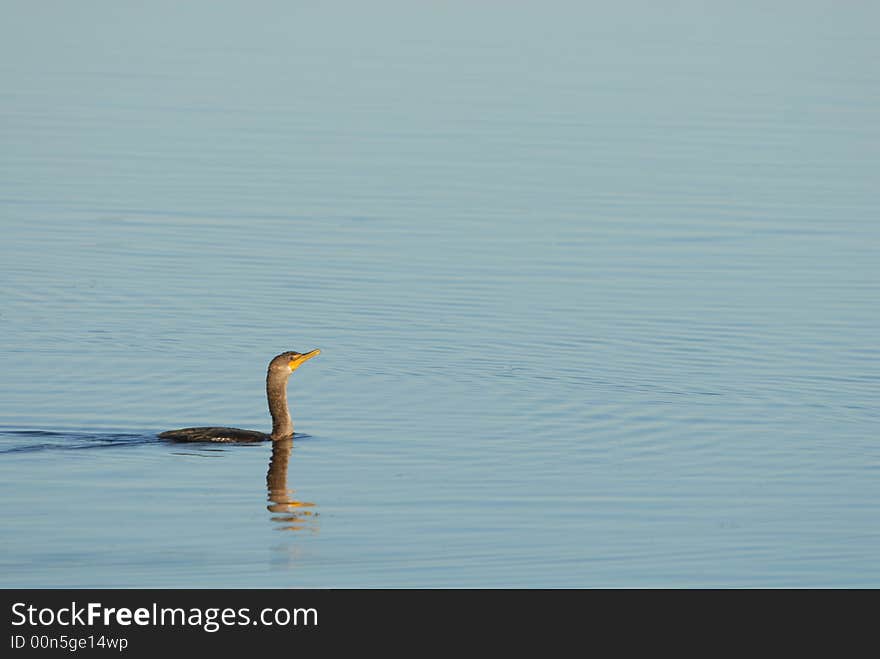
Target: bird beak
[{"x": 297, "y": 361}]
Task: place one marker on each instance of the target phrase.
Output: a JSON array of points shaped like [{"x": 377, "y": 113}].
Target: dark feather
[{"x": 214, "y": 435}]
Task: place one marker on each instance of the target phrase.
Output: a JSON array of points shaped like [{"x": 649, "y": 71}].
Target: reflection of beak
[{"x": 297, "y": 361}]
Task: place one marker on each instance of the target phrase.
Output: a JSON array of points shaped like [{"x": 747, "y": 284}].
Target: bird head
[{"x": 288, "y": 362}]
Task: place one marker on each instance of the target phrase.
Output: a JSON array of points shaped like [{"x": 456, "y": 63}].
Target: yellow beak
[{"x": 297, "y": 361}]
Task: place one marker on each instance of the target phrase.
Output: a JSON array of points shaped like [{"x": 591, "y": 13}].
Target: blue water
[{"x": 595, "y": 289}]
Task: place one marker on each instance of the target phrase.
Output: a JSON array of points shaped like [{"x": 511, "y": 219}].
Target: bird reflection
[{"x": 290, "y": 513}]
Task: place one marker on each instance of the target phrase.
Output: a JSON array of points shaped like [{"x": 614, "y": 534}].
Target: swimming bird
[{"x": 277, "y": 375}]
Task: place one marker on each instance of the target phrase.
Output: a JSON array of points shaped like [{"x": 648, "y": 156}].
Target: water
[{"x": 595, "y": 288}]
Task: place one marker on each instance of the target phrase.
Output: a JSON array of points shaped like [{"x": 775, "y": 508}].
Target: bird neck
[{"x": 276, "y": 392}]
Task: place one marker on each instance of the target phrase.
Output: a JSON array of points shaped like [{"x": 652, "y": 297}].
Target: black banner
[{"x": 135, "y": 623}]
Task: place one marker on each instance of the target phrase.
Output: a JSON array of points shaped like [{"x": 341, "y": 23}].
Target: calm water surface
[{"x": 596, "y": 293}]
